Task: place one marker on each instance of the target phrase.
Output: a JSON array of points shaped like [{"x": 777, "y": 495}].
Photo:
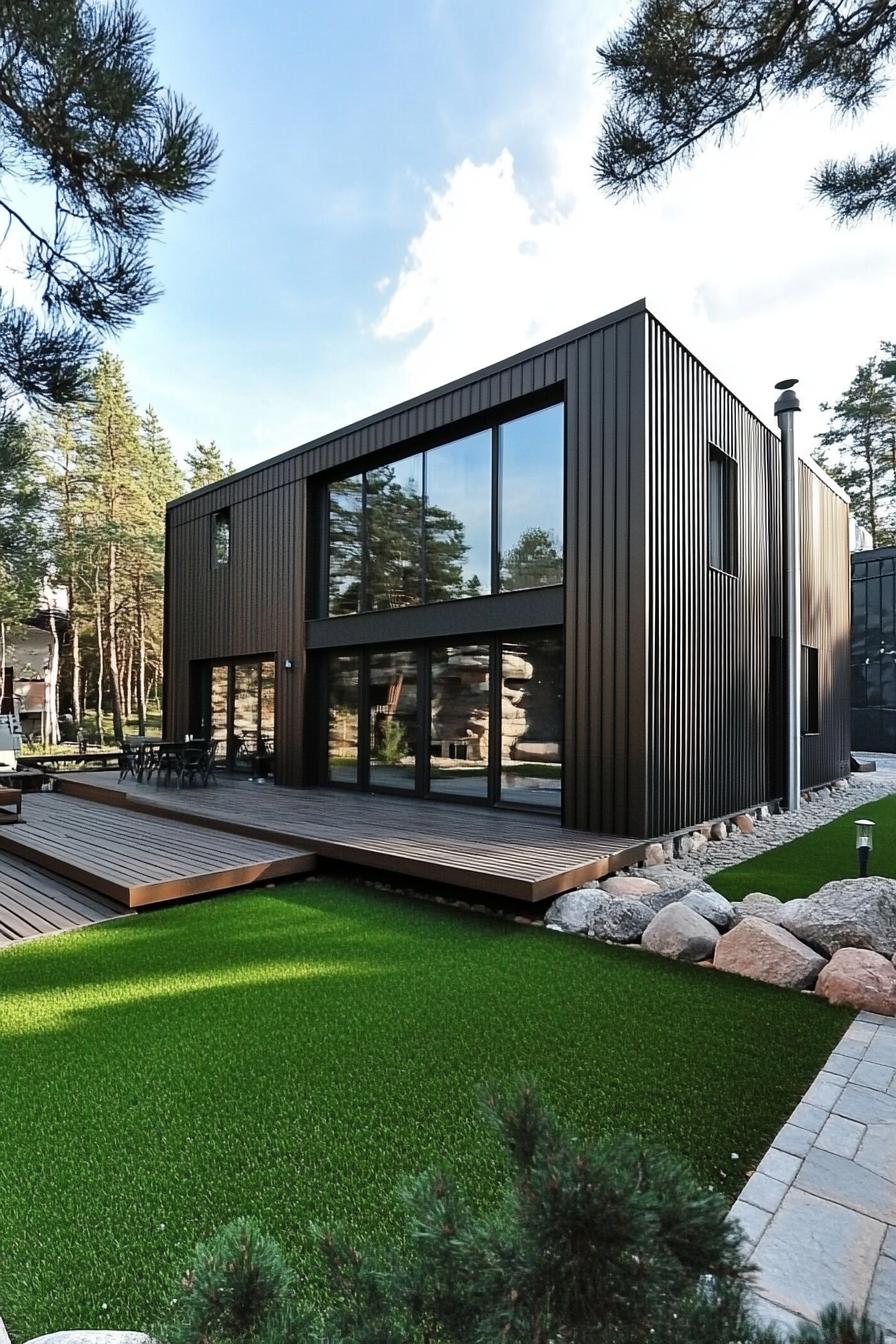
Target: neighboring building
[
  {"x": 555, "y": 583},
  {"x": 27, "y": 674},
  {"x": 874, "y": 650}
]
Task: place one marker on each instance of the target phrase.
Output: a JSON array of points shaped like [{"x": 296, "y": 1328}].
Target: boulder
[
  {"x": 669, "y": 877},
  {"x": 93, "y": 1337},
  {"x": 861, "y": 979},
  {"x": 718, "y": 831},
  {"x": 618, "y": 919},
  {"x": 658, "y": 900},
  {"x": 763, "y": 951},
  {"x": 744, "y": 824},
  {"x": 628, "y": 886},
  {"x": 711, "y": 906},
  {"x": 852, "y": 912},
  {"x": 569, "y": 913},
  {"x": 680, "y": 933},
  {"x": 698, "y": 840},
  {"x": 760, "y": 906},
  {"x": 654, "y": 854}
]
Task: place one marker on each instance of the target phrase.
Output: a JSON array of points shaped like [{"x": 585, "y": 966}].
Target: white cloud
[{"x": 733, "y": 255}]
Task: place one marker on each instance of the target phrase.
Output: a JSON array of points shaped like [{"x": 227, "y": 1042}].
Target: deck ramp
[{"x": 136, "y": 859}]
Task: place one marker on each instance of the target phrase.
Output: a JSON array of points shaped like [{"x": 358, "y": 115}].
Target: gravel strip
[{"x": 778, "y": 830}]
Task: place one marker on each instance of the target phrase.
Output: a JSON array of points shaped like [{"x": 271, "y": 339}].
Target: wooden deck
[
  {"x": 520, "y": 855},
  {"x": 138, "y": 860},
  {"x": 34, "y": 902}
]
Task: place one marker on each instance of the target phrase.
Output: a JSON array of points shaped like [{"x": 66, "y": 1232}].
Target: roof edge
[{"x": 576, "y": 333}]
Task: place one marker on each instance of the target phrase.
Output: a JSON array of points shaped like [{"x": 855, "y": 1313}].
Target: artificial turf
[
  {"x": 804, "y": 865},
  {"x": 294, "y": 1053}
]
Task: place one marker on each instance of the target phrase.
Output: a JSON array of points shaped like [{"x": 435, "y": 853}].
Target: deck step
[
  {"x": 34, "y": 902},
  {"x": 137, "y": 859}
]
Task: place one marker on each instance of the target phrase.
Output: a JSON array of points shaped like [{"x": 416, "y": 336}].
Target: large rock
[
  {"x": 569, "y": 913},
  {"x": 669, "y": 877},
  {"x": 658, "y": 900},
  {"x": 853, "y": 912},
  {"x": 618, "y": 919},
  {"x": 93, "y": 1337},
  {"x": 861, "y": 979},
  {"x": 711, "y": 906},
  {"x": 654, "y": 854},
  {"x": 763, "y": 951},
  {"x": 620, "y": 885},
  {"x": 744, "y": 823},
  {"x": 680, "y": 933},
  {"x": 759, "y": 906}
]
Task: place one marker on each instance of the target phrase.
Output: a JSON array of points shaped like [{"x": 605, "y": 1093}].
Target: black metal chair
[
  {"x": 127, "y": 760},
  {"x": 168, "y": 762},
  {"x": 198, "y": 763}
]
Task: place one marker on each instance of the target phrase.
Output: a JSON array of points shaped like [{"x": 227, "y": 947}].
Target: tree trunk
[
  {"x": 51, "y": 719},
  {"x": 872, "y": 501},
  {"x": 140, "y": 617},
  {"x": 112, "y": 643},
  {"x": 76, "y": 672},
  {"x": 100, "y": 665}
]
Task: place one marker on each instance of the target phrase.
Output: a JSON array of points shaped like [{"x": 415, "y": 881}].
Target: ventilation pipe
[{"x": 785, "y": 408}]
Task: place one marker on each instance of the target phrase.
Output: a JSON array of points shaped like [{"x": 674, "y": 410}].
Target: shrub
[{"x": 608, "y": 1240}]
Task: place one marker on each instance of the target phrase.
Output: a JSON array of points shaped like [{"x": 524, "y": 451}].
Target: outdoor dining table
[{"x": 153, "y": 752}]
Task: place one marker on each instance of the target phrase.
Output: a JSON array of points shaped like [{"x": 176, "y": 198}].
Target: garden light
[{"x": 864, "y": 844}]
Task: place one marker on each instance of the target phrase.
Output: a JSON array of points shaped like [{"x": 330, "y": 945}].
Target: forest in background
[{"x": 83, "y": 514}]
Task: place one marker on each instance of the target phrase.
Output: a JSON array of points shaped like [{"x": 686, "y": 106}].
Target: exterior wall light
[
  {"x": 864, "y": 844},
  {"x": 287, "y": 664}
]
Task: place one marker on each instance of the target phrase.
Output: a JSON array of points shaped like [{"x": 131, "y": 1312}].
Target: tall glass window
[
  {"x": 531, "y": 502},
  {"x": 343, "y": 678},
  {"x": 459, "y": 720},
  {"x": 459, "y": 518},
  {"x": 392, "y": 691},
  {"x": 346, "y": 544},
  {"x": 531, "y": 720},
  {"x": 395, "y": 535}
]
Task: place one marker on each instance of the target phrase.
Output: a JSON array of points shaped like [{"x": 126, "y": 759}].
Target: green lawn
[
  {"x": 806, "y": 864},
  {"x": 294, "y": 1052}
]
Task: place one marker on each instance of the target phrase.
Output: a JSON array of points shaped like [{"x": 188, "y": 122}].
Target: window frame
[
  {"x": 217, "y": 517},
  {"x": 723, "y": 513},
  {"x": 810, "y": 723}
]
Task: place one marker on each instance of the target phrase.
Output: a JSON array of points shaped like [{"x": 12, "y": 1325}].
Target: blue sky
[{"x": 405, "y": 194}]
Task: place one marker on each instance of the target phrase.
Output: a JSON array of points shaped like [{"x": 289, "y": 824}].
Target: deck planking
[
  {"x": 526, "y": 856},
  {"x": 34, "y": 902},
  {"x": 138, "y": 860}
]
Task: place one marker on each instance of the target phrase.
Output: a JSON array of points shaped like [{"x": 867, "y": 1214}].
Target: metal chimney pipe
[{"x": 785, "y": 407}]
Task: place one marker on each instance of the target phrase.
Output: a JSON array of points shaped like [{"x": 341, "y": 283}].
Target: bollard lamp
[{"x": 864, "y": 844}]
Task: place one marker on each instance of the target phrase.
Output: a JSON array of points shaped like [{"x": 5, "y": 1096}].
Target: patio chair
[
  {"x": 168, "y": 761},
  {"x": 127, "y": 759}
]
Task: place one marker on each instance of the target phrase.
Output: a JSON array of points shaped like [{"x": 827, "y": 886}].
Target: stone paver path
[{"x": 819, "y": 1213}]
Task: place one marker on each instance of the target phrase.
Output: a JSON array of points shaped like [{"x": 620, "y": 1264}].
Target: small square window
[
  {"x": 221, "y": 538},
  {"x": 809, "y": 690},
  {"x": 722, "y": 515}
]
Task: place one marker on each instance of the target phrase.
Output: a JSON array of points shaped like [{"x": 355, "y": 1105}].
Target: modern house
[
  {"x": 555, "y": 584},
  {"x": 873, "y": 691}
]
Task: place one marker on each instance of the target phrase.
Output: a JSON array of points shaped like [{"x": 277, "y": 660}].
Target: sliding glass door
[
  {"x": 239, "y": 713},
  {"x": 475, "y": 722}
]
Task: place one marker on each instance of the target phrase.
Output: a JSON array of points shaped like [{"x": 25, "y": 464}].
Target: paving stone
[
  {"x": 753, "y": 1220},
  {"x": 842, "y": 1065},
  {"x": 809, "y": 1117},
  {"x": 882, "y": 1300},
  {"x": 861, "y": 1032},
  {"x": 792, "y": 1139},
  {"x": 844, "y": 1182},
  {"x": 814, "y": 1252},
  {"x": 764, "y": 1191},
  {"x": 782, "y": 1166},
  {"x": 877, "y": 1151},
  {"x": 882, "y": 1049},
  {"x": 767, "y": 1313},
  {"x": 873, "y": 1075},
  {"x": 855, "y": 1049},
  {"x": 863, "y": 1103},
  {"x": 889, "y": 1246},
  {"x": 824, "y": 1091},
  {"x": 840, "y": 1136},
  {"x": 877, "y": 1018}
]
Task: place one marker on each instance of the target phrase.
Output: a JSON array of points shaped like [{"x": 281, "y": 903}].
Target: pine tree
[
  {"x": 86, "y": 118},
  {"x": 23, "y": 531},
  {"x": 205, "y": 465},
  {"x": 684, "y": 72},
  {"x": 862, "y": 432}
]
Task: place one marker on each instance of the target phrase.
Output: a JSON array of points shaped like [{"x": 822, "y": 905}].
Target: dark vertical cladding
[
  {"x": 873, "y": 694},
  {"x": 714, "y": 636},
  {"x": 605, "y": 784},
  {"x": 709, "y": 630}
]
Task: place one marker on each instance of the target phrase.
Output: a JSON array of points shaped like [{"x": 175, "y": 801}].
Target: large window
[
  {"x": 531, "y": 512},
  {"x": 239, "y": 712},
  {"x": 809, "y": 689},
  {"x": 478, "y": 721},
  {"x": 475, "y": 516}
]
